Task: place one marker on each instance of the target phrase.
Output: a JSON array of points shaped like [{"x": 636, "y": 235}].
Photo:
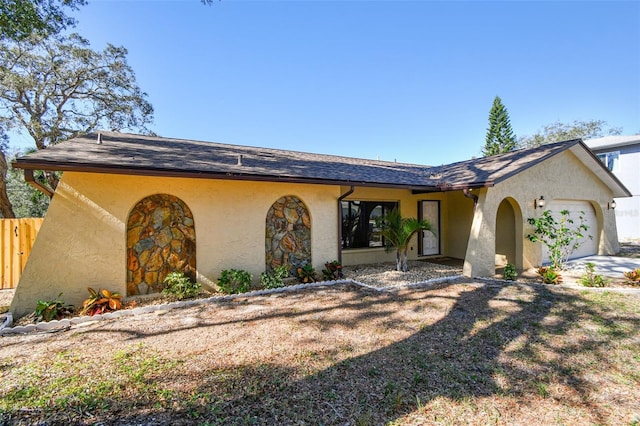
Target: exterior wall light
[
  {"x": 539, "y": 203},
  {"x": 611, "y": 205}
]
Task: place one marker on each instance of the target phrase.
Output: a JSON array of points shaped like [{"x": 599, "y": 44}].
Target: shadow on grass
[{"x": 472, "y": 351}]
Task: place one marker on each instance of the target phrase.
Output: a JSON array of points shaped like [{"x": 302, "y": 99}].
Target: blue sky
[{"x": 411, "y": 81}]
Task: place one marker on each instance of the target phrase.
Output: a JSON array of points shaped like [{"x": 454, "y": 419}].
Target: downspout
[
  {"x": 467, "y": 193},
  {"x": 31, "y": 180},
  {"x": 342, "y": 197}
]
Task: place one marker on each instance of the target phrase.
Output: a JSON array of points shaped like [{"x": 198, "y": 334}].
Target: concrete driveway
[{"x": 608, "y": 266}]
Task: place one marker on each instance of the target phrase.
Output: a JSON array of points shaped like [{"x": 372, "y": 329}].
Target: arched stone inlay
[
  {"x": 161, "y": 238},
  {"x": 288, "y": 234}
]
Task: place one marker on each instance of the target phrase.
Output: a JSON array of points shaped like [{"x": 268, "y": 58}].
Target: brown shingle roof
[{"x": 150, "y": 155}]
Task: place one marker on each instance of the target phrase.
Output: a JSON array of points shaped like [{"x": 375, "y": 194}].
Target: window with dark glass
[{"x": 359, "y": 220}]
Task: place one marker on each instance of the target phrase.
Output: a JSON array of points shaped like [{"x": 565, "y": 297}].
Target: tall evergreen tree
[{"x": 500, "y": 137}]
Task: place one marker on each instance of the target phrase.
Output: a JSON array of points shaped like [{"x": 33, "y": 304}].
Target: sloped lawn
[{"x": 466, "y": 352}]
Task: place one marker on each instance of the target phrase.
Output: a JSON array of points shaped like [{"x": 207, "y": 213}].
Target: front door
[{"x": 430, "y": 211}]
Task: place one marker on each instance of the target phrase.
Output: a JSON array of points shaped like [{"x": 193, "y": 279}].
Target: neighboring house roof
[
  {"x": 157, "y": 156},
  {"x": 612, "y": 142}
]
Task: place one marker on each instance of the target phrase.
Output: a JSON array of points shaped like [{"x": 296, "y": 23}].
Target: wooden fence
[{"x": 16, "y": 239}]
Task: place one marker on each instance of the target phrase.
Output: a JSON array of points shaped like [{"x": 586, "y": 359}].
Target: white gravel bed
[{"x": 383, "y": 275}]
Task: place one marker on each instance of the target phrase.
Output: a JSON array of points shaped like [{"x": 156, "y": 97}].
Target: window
[
  {"x": 610, "y": 159},
  {"x": 359, "y": 222}
]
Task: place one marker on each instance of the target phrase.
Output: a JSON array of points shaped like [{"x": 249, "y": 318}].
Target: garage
[{"x": 576, "y": 208}]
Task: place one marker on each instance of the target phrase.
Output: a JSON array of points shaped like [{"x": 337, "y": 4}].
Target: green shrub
[
  {"x": 562, "y": 237},
  {"x": 47, "y": 310},
  {"x": 274, "y": 279},
  {"x": 590, "y": 278},
  {"x": 234, "y": 281},
  {"x": 549, "y": 275},
  {"x": 510, "y": 273},
  {"x": 307, "y": 274},
  {"x": 332, "y": 271},
  {"x": 179, "y": 285}
]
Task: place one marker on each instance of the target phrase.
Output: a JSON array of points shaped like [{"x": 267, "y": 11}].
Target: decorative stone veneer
[
  {"x": 288, "y": 234},
  {"x": 161, "y": 238}
]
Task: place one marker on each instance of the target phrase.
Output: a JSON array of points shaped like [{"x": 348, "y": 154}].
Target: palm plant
[{"x": 397, "y": 232}]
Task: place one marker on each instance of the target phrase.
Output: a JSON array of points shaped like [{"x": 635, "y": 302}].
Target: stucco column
[
  {"x": 609, "y": 243},
  {"x": 479, "y": 260}
]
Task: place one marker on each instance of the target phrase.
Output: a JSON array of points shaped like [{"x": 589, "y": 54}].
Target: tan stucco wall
[
  {"x": 560, "y": 177},
  {"x": 458, "y": 219},
  {"x": 82, "y": 240}
]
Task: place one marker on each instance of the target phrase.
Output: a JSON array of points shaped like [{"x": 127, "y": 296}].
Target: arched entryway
[
  {"x": 509, "y": 234},
  {"x": 161, "y": 238},
  {"x": 288, "y": 234}
]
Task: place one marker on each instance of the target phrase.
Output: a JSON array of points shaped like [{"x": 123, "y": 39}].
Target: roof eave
[
  {"x": 569, "y": 144},
  {"x": 457, "y": 187},
  {"x": 158, "y": 172}
]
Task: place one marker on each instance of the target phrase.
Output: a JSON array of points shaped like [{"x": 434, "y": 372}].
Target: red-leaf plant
[{"x": 100, "y": 302}]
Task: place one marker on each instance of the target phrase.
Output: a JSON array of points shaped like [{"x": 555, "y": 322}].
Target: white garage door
[{"x": 589, "y": 245}]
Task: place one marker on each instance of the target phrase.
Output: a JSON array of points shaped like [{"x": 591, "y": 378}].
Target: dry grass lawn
[{"x": 466, "y": 352}]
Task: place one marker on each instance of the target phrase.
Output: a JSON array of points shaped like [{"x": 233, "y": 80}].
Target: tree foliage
[
  {"x": 6, "y": 210},
  {"x": 557, "y": 132},
  {"x": 56, "y": 88},
  {"x": 500, "y": 137},
  {"x": 20, "y": 19},
  {"x": 397, "y": 232},
  {"x": 24, "y": 199},
  {"x": 59, "y": 87}
]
